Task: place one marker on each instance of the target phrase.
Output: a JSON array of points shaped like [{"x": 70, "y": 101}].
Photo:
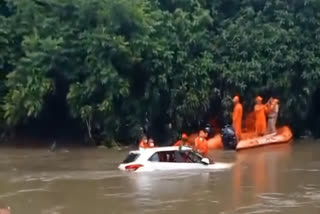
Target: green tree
[{"x": 176, "y": 60}]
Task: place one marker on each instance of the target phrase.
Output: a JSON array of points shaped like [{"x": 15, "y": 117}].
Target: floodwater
[{"x": 278, "y": 179}]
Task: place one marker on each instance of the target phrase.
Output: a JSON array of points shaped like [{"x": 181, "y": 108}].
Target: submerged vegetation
[{"x": 179, "y": 61}]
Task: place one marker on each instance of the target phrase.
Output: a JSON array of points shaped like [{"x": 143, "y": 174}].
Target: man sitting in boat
[{"x": 273, "y": 111}]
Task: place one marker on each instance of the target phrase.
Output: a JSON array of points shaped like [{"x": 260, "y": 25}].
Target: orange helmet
[{"x": 184, "y": 136}]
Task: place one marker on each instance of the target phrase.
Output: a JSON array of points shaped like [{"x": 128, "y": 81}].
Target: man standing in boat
[
  {"x": 260, "y": 111},
  {"x": 273, "y": 112},
  {"x": 237, "y": 117}
]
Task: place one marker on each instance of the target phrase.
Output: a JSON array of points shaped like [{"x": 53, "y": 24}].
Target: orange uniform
[
  {"x": 237, "y": 119},
  {"x": 201, "y": 145},
  {"x": 183, "y": 141},
  {"x": 180, "y": 143},
  {"x": 261, "y": 120},
  {"x": 144, "y": 144}
]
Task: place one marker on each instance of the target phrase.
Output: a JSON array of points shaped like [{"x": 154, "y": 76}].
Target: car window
[
  {"x": 175, "y": 156},
  {"x": 179, "y": 157},
  {"x": 189, "y": 157},
  {"x": 154, "y": 157},
  {"x": 183, "y": 157},
  {"x": 131, "y": 157},
  {"x": 165, "y": 156},
  {"x": 195, "y": 158}
]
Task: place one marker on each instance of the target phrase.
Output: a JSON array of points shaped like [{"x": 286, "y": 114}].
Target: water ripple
[
  {"x": 53, "y": 210},
  {"x": 11, "y": 194},
  {"x": 305, "y": 170},
  {"x": 62, "y": 175}
]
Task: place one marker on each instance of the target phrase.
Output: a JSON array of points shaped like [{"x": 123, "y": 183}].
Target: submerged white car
[{"x": 168, "y": 158}]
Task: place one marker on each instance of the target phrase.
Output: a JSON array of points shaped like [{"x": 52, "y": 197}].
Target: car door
[
  {"x": 189, "y": 160},
  {"x": 172, "y": 160},
  {"x": 162, "y": 161}
]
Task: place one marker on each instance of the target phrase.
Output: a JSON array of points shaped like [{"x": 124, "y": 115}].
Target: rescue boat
[
  {"x": 215, "y": 143},
  {"x": 283, "y": 135}
]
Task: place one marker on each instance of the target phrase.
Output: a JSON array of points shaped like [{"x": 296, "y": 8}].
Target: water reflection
[{"x": 258, "y": 171}]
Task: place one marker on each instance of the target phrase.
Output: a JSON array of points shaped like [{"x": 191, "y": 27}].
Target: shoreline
[{"x": 22, "y": 142}]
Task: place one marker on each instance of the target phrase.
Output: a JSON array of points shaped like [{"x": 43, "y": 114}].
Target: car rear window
[{"x": 131, "y": 157}]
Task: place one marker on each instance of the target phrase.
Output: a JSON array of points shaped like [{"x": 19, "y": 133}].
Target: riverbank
[
  {"x": 23, "y": 142},
  {"x": 61, "y": 144}
]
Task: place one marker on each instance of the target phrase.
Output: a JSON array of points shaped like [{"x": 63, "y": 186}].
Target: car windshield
[
  {"x": 131, "y": 157},
  {"x": 185, "y": 156},
  {"x": 194, "y": 157}
]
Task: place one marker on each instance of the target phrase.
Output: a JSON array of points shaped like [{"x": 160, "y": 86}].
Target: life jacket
[
  {"x": 237, "y": 119},
  {"x": 143, "y": 144},
  {"x": 261, "y": 120},
  {"x": 201, "y": 145},
  {"x": 179, "y": 143}
]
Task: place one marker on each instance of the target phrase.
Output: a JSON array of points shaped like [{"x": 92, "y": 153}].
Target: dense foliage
[{"x": 175, "y": 60}]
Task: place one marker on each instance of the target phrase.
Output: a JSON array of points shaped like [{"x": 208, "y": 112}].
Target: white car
[{"x": 168, "y": 158}]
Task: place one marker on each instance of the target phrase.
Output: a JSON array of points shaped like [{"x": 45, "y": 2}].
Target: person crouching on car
[
  {"x": 151, "y": 143},
  {"x": 201, "y": 144},
  {"x": 143, "y": 144},
  {"x": 183, "y": 141}
]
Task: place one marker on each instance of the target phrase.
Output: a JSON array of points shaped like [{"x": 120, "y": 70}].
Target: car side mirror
[{"x": 205, "y": 161}]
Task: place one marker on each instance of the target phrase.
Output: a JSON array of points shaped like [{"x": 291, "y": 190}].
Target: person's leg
[
  {"x": 273, "y": 125},
  {"x": 269, "y": 126}
]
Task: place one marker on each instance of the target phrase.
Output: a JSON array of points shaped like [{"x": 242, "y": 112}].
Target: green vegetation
[{"x": 177, "y": 60}]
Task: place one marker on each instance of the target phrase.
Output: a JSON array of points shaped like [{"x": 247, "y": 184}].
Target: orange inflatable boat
[
  {"x": 284, "y": 135},
  {"x": 215, "y": 142},
  {"x": 250, "y": 140}
]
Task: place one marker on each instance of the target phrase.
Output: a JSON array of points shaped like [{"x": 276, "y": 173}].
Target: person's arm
[
  {"x": 277, "y": 108},
  {"x": 272, "y": 107},
  {"x": 267, "y": 108}
]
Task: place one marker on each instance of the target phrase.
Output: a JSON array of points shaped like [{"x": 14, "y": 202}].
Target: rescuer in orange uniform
[
  {"x": 144, "y": 142},
  {"x": 151, "y": 143},
  {"x": 237, "y": 116},
  {"x": 260, "y": 111},
  {"x": 183, "y": 141},
  {"x": 201, "y": 144}
]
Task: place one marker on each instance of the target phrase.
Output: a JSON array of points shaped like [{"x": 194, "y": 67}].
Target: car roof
[
  {"x": 145, "y": 154},
  {"x": 163, "y": 149}
]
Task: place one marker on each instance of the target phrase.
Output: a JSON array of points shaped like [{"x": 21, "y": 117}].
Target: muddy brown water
[{"x": 278, "y": 179}]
